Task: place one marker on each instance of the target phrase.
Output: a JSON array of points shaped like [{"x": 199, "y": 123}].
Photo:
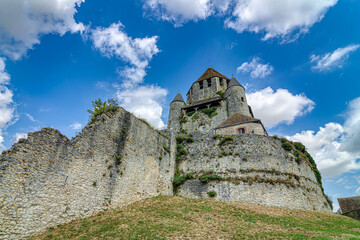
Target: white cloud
[
  {"x": 144, "y": 101},
  {"x": 23, "y": 22},
  {"x": 332, "y": 60},
  {"x": 6, "y": 101},
  {"x": 335, "y": 147},
  {"x": 255, "y": 68},
  {"x": 76, "y": 126},
  {"x": 278, "y": 107},
  {"x": 357, "y": 191},
  {"x": 180, "y": 11},
  {"x": 113, "y": 41},
  {"x": 31, "y": 118},
  {"x": 278, "y": 18},
  {"x": 18, "y": 136}
]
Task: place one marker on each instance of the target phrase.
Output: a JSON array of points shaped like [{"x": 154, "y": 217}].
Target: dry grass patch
[{"x": 181, "y": 218}]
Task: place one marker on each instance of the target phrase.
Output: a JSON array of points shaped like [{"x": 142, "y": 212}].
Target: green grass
[{"x": 166, "y": 217}]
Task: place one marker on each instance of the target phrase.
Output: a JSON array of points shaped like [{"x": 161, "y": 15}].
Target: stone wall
[
  {"x": 255, "y": 128},
  {"x": 199, "y": 121},
  {"x": 48, "y": 179},
  {"x": 250, "y": 168}
]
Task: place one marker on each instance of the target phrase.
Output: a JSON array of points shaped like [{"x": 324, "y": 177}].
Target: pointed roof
[
  {"x": 236, "y": 119},
  {"x": 234, "y": 82},
  {"x": 178, "y": 98},
  {"x": 210, "y": 73}
]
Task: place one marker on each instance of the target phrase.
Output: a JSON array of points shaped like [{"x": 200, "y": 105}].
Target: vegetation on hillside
[{"x": 166, "y": 217}]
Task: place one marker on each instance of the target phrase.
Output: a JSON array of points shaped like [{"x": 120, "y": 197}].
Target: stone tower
[
  {"x": 175, "y": 113},
  {"x": 236, "y": 99},
  {"x": 214, "y": 104}
]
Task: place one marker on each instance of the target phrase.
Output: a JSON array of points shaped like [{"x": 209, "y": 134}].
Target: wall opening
[
  {"x": 201, "y": 85},
  {"x": 241, "y": 130}
]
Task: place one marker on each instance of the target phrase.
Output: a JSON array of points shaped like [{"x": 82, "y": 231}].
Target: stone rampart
[
  {"x": 47, "y": 179},
  {"x": 250, "y": 168}
]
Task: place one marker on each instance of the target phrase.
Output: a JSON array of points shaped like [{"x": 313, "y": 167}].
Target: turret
[
  {"x": 236, "y": 99},
  {"x": 175, "y": 113}
]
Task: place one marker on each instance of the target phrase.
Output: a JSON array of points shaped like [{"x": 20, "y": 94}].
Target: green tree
[{"x": 101, "y": 107}]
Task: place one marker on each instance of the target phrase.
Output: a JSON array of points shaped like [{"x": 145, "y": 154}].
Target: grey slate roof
[
  {"x": 234, "y": 82},
  {"x": 178, "y": 98}
]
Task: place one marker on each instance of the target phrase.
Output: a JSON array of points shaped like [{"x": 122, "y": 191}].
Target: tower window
[
  {"x": 209, "y": 83},
  {"x": 201, "y": 85},
  {"x": 241, "y": 130},
  {"x": 242, "y": 99}
]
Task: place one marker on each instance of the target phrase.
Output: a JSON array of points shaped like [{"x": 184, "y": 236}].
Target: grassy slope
[{"x": 181, "y": 218}]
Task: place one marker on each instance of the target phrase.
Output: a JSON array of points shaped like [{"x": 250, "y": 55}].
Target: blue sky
[{"x": 299, "y": 62}]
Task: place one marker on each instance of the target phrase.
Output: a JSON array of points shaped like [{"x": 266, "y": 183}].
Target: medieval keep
[{"x": 214, "y": 104}]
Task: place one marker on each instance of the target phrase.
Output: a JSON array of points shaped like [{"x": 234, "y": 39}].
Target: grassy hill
[{"x": 166, "y": 217}]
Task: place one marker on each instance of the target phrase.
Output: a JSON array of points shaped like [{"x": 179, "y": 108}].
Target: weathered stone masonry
[
  {"x": 47, "y": 179},
  {"x": 250, "y": 168}
]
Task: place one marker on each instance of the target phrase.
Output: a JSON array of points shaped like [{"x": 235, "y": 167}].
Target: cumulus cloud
[
  {"x": 180, "y": 11},
  {"x": 280, "y": 106},
  {"x": 277, "y": 18},
  {"x": 145, "y": 101},
  {"x": 22, "y": 23},
  {"x": 6, "y": 101},
  {"x": 113, "y": 41},
  {"x": 332, "y": 60},
  {"x": 76, "y": 126},
  {"x": 256, "y": 68},
  {"x": 335, "y": 147}
]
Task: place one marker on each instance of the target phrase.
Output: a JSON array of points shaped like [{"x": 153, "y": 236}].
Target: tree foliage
[{"x": 100, "y": 107}]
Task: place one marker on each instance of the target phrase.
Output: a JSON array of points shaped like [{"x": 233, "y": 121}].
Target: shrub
[
  {"x": 216, "y": 136},
  {"x": 184, "y": 120},
  {"x": 210, "y": 112},
  {"x": 220, "y": 93},
  {"x": 275, "y": 137},
  {"x": 181, "y": 179},
  {"x": 212, "y": 194},
  {"x": 183, "y": 131},
  {"x": 300, "y": 147},
  {"x": 287, "y": 146},
  {"x": 298, "y": 160},
  {"x": 207, "y": 177},
  {"x": 195, "y": 117},
  {"x": 190, "y": 114},
  {"x": 100, "y": 107},
  {"x": 181, "y": 150},
  {"x": 226, "y": 139},
  {"x": 283, "y": 140},
  {"x": 297, "y": 153},
  {"x": 181, "y": 139}
]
